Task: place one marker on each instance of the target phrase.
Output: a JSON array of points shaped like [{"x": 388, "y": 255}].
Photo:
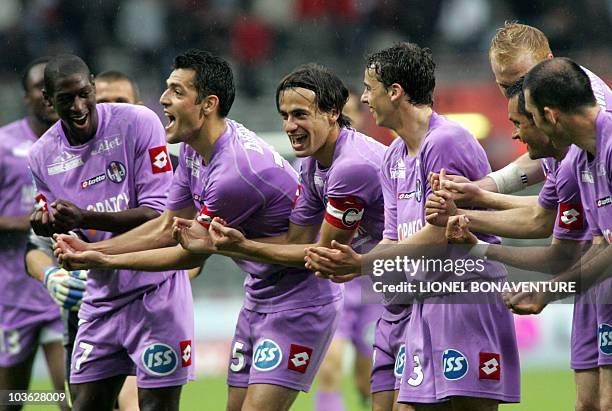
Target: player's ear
[
  {"x": 550, "y": 115},
  {"x": 47, "y": 98},
  {"x": 210, "y": 104},
  {"x": 396, "y": 91},
  {"x": 333, "y": 116}
]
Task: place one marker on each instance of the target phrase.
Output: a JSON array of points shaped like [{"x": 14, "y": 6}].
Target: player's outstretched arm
[
  {"x": 516, "y": 176},
  {"x": 160, "y": 259},
  {"x": 525, "y": 222},
  {"x": 21, "y": 223}
]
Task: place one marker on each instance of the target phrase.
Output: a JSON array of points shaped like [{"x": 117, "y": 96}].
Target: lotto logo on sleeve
[
  {"x": 205, "y": 217},
  {"x": 160, "y": 161},
  {"x": 267, "y": 355},
  {"x": 490, "y": 366},
  {"x": 41, "y": 203},
  {"x": 185, "y": 353},
  {"x": 159, "y": 359},
  {"x": 344, "y": 213},
  {"x": 570, "y": 216},
  {"x": 454, "y": 365},
  {"x": 299, "y": 358}
]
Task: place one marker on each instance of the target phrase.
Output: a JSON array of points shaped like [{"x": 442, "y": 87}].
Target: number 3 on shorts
[
  {"x": 237, "y": 355},
  {"x": 87, "y": 349}
]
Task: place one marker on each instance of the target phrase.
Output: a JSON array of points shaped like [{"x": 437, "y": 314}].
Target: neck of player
[
  {"x": 325, "y": 155},
  {"x": 412, "y": 125},
  {"x": 210, "y": 132},
  {"x": 583, "y": 128}
]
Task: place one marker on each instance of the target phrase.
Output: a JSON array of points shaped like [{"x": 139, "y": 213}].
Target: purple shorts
[
  {"x": 283, "y": 348},
  {"x": 151, "y": 337},
  {"x": 358, "y": 321},
  {"x": 389, "y": 354},
  {"x": 460, "y": 350},
  {"x": 22, "y": 331}
]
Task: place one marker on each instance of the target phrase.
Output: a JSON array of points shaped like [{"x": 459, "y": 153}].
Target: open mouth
[
  {"x": 298, "y": 141},
  {"x": 80, "y": 120},
  {"x": 171, "y": 119}
]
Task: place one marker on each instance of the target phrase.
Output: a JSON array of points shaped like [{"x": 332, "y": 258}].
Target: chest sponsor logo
[
  {"x": 571, "y": 216},
  {"x": 160, "y": 160},
  {"x": 405, "y": 230},
  {"x": 159, "y": 359},
  {"x": 398, "y": 171},
  {"x": 116, "y": 172},
  {"x": 112, "y": 204},
  {"x": 267, "y": 355},
  {"x": 106, "y": 146},
  {"x": 64, "y": 162},
  {"x": 299, "y": 358},
  {"x": 602, "y": 202},
  {"x": 185, "y": 353},
  {"x": 586, "y": 177},
  {"x": 93, "y": 181},
  {"x": 489, "y": 366},
  {"x": 454, "y": 364}
]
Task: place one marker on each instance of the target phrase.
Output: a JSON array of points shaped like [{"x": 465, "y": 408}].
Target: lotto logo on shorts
[
  {"x": 490, "y": 366},
  {"x": 454, "y": 364},
  {"x": 267, "y": 355},
  {"x": 160, "y": 160},
  {"x": 570, "y": 216},
  {"x": 605, "y": 339},
  {"x": 299, "y": 358},
  {"x": 185, "y": 353},
  {"x": 400, "y": 362},
  {"x": 159, "y": 359}
]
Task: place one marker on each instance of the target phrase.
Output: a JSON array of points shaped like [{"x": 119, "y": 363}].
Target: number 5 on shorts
[
  {"x": 237, "y": 355},
  {"x": 87, "y": 349}
]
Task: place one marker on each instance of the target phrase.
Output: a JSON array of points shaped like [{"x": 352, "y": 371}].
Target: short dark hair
[
  {"x": 213, "y": 77},
  {"x": 559, "y": 83},
  {"x": 25, "y": 74},
  {"x": 408, "y": 65},
  {"x": 514, "y": 90},
  {"x": 330, "y": 92},
  {"x": 116, "y": 75},
  {"x": 63, "y": 65}
]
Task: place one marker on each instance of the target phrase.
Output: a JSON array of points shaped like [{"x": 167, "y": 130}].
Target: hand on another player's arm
[
  {"x": 226, "y": 238},
  {"x": 462, "y": 191},
  {"x": 526, "y": 303},
  {"x": 66, "y": 216},
  {"x": 340, "y": 263},
  {"x": 192, "y": 236},
  {"x": 457, "y": 230}
]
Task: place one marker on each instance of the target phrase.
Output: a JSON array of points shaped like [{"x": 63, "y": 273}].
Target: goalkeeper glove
[{"x": 67, "y": 288}]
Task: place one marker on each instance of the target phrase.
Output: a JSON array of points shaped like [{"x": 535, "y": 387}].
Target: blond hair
[{"x": 514, "y": 39}]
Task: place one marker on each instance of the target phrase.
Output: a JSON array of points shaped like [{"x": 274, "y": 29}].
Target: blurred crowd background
[{"x": 265, "y": 39}]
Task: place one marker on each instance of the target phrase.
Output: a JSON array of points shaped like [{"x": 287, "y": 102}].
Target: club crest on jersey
[
  {"x": 267, "y": 355},
  {"x": 400, "y": 362},
  {"x": 489, "y": 366},
  {"x": 159, "y": 359},
  {"x": 418, "y": 191},
  {"x": 299, "y": 358},
  {"x": 454, "y": 364},
  {"x": 116, "y": 172},
  {"x": 160, "y": 161},
  {"x": 605, "y": 339}
]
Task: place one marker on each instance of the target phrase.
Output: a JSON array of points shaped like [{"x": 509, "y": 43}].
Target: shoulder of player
[
  {"x": 447, "y": 134},
  {"x": 395, "y": 149},
  {"x": 41, "y": 147},
  {"x": 132, "y": 112}
]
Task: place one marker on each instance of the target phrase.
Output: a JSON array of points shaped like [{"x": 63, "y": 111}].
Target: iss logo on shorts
[
  {"x": 454, "y": 364},
  {"x": 267, "y": 355},
  {"x": 160, "y": 161},
  {"x": 605, "y": 339},
  {"x": 159, "y": 359},
  {"x": 489, "y": 364},
  {"x": 185, "y": 353},
  {"x": 299, "y": 358},
  {"x": 115, "y": 171},
  {"x": 400, "y": 362}
]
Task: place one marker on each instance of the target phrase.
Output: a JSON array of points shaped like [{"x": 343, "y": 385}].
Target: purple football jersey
[
  {"x": 602, "y": 92},
  {"x": 252, "y": 188},
  {"x": 593, "y": 180},
  {"x": 353, "y": 177},
  {"x": 560, "y": 192},
  {"x": 16, "y": 193},
  {"x": 124, "y": 166}
]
